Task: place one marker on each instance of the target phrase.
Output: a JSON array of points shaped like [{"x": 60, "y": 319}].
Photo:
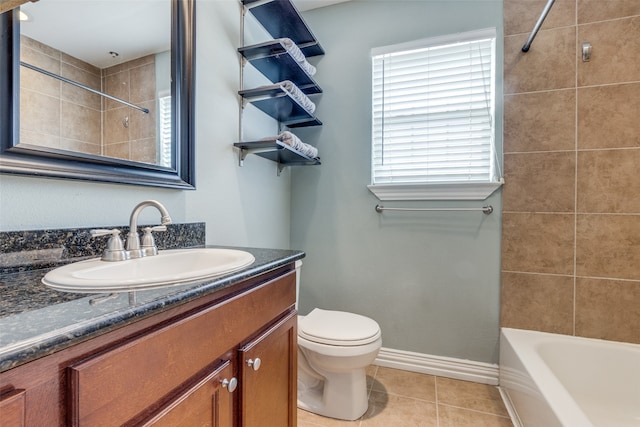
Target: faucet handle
[
  {"x": 148, "y": 245},
  {"x": 115, "y": 247}
]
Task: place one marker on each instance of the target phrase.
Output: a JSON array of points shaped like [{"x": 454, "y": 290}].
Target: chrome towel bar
[{"x": 485, "y": 209}]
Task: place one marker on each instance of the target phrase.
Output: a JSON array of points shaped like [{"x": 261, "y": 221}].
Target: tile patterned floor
[{"x": 407, "y": 399}]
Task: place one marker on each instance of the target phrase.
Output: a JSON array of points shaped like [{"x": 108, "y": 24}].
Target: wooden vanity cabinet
[
  {"x": 186, "y": 368},
  {"x": 208, "y": 403},
  {"x": 268, "y": 366}
]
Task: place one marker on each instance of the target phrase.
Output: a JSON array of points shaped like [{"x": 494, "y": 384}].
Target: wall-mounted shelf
[
  {"x": 276, "y": 151},
  {"x": 278, "y": 104},
  {"x": 281, "y": 19},
  {"x": 274, "y": 62}
]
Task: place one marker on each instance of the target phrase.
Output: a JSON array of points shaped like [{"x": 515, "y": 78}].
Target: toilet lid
[{"x": 338, "y": 328}]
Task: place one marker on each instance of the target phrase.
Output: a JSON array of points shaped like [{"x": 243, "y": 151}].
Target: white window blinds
[
  {"x": 165, "y": 131},
  {"x": 433, "y": 111}
]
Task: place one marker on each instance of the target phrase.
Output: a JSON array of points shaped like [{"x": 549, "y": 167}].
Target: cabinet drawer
[{"x": 113, "y": 387}]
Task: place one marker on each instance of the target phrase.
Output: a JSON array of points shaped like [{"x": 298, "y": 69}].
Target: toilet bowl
[{"x": 334, "y": 349}]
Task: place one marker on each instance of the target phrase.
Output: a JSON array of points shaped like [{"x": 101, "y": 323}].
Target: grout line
[
  {"x": 435, "y": 384},
  {"x": 575, "y": 182},
  {"x": 475, "y": 410}
]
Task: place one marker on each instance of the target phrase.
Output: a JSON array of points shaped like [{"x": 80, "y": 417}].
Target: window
[
  {"x": 433, "y": 118},
  {"x": 164, "y": 131}
]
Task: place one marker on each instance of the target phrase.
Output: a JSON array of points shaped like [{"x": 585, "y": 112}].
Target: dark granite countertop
[{"x": 36, "y": 321}]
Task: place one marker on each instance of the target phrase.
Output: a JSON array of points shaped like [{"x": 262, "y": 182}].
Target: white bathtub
[{"x": 550, "y": 380}]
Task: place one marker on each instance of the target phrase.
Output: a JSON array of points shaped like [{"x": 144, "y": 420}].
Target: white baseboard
[{"x": 459, "y": 369}]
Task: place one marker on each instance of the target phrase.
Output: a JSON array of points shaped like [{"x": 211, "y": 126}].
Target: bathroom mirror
[{"x": 99, "y": 103}]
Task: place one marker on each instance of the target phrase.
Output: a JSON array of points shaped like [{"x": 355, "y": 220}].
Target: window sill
[{"x": 451, "y": 191}]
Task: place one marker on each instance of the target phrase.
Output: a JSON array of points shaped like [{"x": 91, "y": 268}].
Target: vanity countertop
[{"x": 36, "y": 321}]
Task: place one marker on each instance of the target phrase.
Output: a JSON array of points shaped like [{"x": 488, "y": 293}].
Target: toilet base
[{"x": 342, "y": 396}]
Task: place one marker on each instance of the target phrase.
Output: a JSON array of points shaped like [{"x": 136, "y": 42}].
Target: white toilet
[{"x": 334, "y": 349}]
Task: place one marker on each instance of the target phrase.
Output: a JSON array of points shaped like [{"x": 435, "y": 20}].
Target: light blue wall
[
  {"x": 430, "y": 279},
  {"x": 246, "y": 206}
]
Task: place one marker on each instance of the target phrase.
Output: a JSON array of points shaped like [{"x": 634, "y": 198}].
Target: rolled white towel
[
  {"x": 294, "y": 142},
  {"x": 298, "y": 95},
  {"x": 297, "y": 55}
]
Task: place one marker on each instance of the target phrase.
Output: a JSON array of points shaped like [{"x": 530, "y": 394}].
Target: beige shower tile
[
  {"x": 79, "y": 95},
  {"x": 470, "y": 395},
  {"x": 142, "y": 125},
  {"x": 36, "y": 138},
  {"x": 599, "y": 10},
  {"x": 608, "y": 116},
  {"x": 116, "y": 85},
  {"x": 608, "y": 246},
  {"x": 616, "y": 48},
  {"x": 542, "y": 121},
  {"x": 550, "y": 64},
  {"x": 117, "y": 150},
  {"x": 403, "y": 383},
  {"x": 390, "y": 410},
  {"x": 28, "y": 42},
  {"x": 115, "y": 127},
  {"x": 143, "y": 83},
  {"x": 36, "y": 81},
  {"x": 537, "y": 301},
  {"x": 539, "y": 182},
  {"x": 458, "y": 417},
  {"x": 138, "y": 62},
  {"x": 520, "y": 16},
  {"x": 39, "y": 113},
  {"x": 80, "y": 123},
  {"x": 608, "y": 181},
  {"x": 537, "y": 243},
  {"x": 78, "y": 63},
  {"x": 80, "y": 146},
  {"x": 608, "y": 309},
  {"x": 144, "y": 150}
]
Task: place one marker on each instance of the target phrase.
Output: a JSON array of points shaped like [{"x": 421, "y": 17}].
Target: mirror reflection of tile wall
[{"x": 59, "y": 115}]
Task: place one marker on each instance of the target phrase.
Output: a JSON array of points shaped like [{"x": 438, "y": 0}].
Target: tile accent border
[{"x": 449, "y": 367}]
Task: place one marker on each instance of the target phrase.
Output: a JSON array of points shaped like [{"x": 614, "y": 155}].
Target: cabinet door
[
  {"x": 206, "y": 403},
  {"x": 268, "y": 376},
  {"x": 12, "y": 412}
]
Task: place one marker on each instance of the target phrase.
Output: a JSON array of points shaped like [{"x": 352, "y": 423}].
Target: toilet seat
[{"x": 338, "y": 328}]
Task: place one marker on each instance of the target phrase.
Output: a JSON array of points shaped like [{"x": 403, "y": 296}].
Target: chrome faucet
[{"x": 148, "y": 248}]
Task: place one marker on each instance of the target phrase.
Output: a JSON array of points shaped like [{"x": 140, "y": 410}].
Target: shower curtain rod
[
  {"x": 80, "y": 85},
  {"x": 544, "y": 14}
]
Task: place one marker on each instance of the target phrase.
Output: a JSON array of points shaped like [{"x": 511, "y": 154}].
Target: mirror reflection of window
[{"x": 128, "y": 59}]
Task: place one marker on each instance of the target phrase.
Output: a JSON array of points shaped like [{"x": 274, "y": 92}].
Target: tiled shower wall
[
  {"x": 56, "y": 114},
  {"x": 571, "y": 222},
  {"x": 129, "y": 133},
  {"x": 59, "y": 115}
]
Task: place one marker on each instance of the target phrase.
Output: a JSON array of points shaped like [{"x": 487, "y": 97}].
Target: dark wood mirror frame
[{"x": 47, "y": 162}]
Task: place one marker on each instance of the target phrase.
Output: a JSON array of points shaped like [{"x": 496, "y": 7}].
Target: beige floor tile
[
  {"x": 457, "y": 417},
  {"x": 470, "y": 395},
  {"x": 387, "y": 410},
  {"x": 460, "y": 403},
  {"x": 403, "y": 383},
  {"x": 306, "y": 419}
]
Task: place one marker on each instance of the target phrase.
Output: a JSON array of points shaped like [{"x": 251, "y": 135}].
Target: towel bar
[{"x": 485, "y": 209}]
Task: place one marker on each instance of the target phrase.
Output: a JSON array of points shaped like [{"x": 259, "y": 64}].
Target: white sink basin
[{"x": 171, "y": 267}]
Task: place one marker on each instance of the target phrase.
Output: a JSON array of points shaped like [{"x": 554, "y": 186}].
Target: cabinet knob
[
  {"x": 230, "y": 385},
  {"x": 254, "y": 363}
]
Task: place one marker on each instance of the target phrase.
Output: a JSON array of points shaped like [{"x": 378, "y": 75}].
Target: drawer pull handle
[
  {"x": 230, "y": 385},
  {"x": 255, "y": 364}
]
